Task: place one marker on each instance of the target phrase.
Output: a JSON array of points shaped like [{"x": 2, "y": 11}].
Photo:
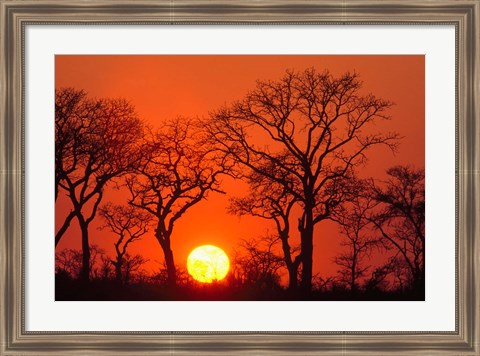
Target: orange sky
[{"x": 166, "y": 86}]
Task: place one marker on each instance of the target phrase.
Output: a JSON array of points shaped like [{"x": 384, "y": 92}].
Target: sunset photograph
[{"x": 240, "y": 178}]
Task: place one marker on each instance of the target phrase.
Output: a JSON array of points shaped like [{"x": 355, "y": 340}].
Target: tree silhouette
[
  {"x": 178, "y": 170},
  {"x": 401, "y": 218},
  {"x": 70, "y": 261},
  {"x": 358, "y": 238},
  {"x": 131, "y": 267},
  {"x": 183, "y": 277},
  {"x": 322, "y": 284},
  {"x": 105, "y": 271},
  {"x": 69, "y": 109},
  {"x": 306, "y": 132},
  {"x": 96, "y": 143},
  {"x": 401, "y": 273},
  {"x": 129, "y": 224},
  {"x": 256, "y": 263},
  {"x": 271, "y": 201},
  {"x": 378, "y": 281}
]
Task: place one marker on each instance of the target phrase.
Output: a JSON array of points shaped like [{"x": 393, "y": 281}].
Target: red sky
[{"x": 166, "y": 86}]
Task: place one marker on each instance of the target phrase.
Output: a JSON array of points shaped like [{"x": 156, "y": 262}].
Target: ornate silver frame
[{"x": 17, "y": 14}]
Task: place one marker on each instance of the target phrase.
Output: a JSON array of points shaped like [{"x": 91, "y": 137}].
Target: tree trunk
[
  {"x": 169, "y": 261},
  {"x": 85, "y": 273},
  {"x": 118, "y": 271},
  {"x": 171, "y": 269},
  {"x": 307, "y": 257},
  {"x": 292, "y": 277},
  {"x": 352, "y": 280},
  {"x": 292, "y": 266},
  {"x": 422, "y": 269},
  {"x": 418, "y": 280},
  {"x": 306, "y": 244}
]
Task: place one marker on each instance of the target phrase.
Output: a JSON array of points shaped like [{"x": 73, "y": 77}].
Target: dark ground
[{"x": 107, "y": 290}]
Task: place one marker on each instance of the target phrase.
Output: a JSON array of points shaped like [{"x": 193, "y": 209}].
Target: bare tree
[
  {"x": 70, "y": 261},
  {"x": 271, "y": 201},
  {"x": 183, "y": 277},
  {"x": 401, "y": 218},
  {"x": 306, "y": 132},
  {"x": 129, "y": 224},
  {"x": 401, "y": 273},
  {"x": 378, "y": 279},
  {"x": 359, "y": 239},
  {"x": 257, "y": 264},
  {"x": 131, "y": 266},
  {"x": 105, "y": 270},
  {"x": 178, "y": 170},
  {"x": 102, "y": 135},
  {"x": 393, "y": 275},
  {"x": 69, "y": 109},
  {"x": 322, "y": 284}
]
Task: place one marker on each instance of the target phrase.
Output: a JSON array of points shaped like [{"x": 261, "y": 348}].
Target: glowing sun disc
[{"x": 208, "y": 263}]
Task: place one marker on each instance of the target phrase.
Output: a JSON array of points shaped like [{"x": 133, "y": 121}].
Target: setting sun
[{"x": 208, "y": 263}]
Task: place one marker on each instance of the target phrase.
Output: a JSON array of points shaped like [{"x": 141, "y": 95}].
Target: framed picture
[
  {"x": 180, "y": 196},
  {"x": 271, "y": 178}
]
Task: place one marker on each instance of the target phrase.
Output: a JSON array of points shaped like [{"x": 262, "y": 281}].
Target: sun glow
[{"x": 208, "y": 263}]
